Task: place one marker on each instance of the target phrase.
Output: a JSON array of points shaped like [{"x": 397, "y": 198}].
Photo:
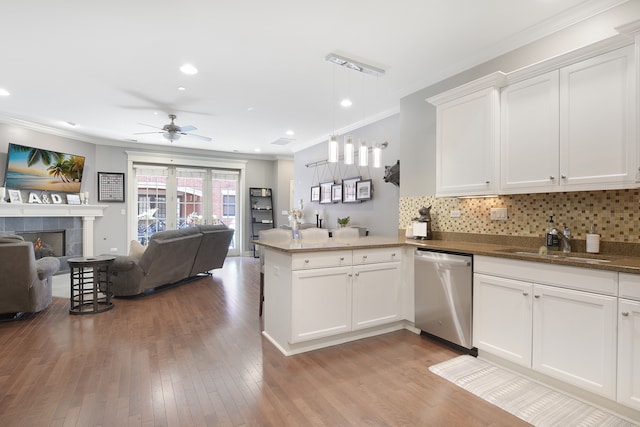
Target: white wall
[{"x": 379, "y": 215}]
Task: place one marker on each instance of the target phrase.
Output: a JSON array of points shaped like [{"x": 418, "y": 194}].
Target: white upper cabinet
[
  {"x": 468, "y": 132},
  {"x": 572, "y": 128},
  {"x": 529, "y": 147}
]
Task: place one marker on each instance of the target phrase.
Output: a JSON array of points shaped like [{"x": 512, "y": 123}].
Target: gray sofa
[
  {"x": 170, "y": 257},
  {"x": 25, "y": 283}
]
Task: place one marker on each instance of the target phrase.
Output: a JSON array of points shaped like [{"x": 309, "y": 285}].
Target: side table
[{"x": 90, "y": 284}]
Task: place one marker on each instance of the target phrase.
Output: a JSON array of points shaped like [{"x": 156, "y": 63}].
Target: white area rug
[{"x": 524, "y": 398}]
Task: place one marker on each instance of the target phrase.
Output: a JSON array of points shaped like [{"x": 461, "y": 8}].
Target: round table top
[{"x": 91, "y": 259}]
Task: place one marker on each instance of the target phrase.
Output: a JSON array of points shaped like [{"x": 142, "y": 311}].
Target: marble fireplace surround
[{"x": 88, "y": 213}]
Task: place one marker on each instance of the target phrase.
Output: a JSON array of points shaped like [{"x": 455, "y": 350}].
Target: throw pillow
[{"x": 136, "y": 250}]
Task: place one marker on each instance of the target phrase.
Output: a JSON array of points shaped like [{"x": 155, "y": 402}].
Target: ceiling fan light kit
[{"x": 173, "y": 132}]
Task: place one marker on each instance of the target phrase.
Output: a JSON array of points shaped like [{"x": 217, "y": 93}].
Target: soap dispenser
[{"x": 551, "y": 238}]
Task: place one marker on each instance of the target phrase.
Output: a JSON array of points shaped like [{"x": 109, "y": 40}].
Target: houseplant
[{"x": 343, "y": 222}]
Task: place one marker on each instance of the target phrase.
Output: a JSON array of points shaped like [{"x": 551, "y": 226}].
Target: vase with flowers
[{"x": 295, "y": 215}]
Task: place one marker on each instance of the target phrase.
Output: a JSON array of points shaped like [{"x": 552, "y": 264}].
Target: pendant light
[
  {"x": 377, "y": 156},
  {"x": 363, "y": 154},
  {"x": 348, "y": 151},
  {"x": 333, "y": 149}
]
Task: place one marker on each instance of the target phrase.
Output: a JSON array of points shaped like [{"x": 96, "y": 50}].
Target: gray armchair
[{"x": 25, "y": 283}]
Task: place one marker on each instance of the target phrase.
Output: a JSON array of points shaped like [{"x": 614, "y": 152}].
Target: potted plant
[{"x": 343, "y": 222}]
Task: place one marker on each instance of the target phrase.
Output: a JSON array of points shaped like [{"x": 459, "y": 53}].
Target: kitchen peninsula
[{"x": 326, "y": 293}]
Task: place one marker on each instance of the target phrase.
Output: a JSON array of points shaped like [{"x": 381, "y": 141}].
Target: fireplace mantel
[{"x": 87, "y": 212}]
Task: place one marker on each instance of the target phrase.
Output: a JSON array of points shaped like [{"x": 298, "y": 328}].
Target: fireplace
[{"x": 46, "y": 243}]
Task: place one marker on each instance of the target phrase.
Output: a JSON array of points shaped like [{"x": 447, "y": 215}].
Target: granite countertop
[{"x": 625, "y": 260}]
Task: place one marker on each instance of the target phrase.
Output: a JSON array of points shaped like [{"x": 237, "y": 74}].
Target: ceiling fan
[{"x": 173, "y": 132}]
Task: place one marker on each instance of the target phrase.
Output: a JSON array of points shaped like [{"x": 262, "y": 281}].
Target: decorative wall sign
[
  {"x": 110, "y": 187},
  {"x": 363, "y": 190}
]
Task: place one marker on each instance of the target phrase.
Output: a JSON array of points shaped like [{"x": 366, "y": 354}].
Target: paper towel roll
[{"x": 593, "y": 243}]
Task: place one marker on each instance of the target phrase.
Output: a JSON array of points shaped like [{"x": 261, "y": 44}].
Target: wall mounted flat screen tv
[{"x": 30, "y": 168}]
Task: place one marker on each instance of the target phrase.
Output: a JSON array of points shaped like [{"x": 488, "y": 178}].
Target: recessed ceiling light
[
  {"x": 189, "y": 69},
  {"x": 290, "y": 132},
  {"x": 346, "y": 102},
  {"x": 182, "y": 88},
  {"x": 257, "y": 150},
  {"x": 4, "y": 92},
  {"x": 250, "y": 109}
]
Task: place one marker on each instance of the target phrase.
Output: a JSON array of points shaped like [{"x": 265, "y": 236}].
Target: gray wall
[{"x": 379, "y": 215}]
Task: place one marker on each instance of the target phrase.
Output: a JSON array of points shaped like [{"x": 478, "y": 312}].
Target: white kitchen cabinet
[
  {"x": 467, "y": 138},
  {"x": 574, "y": 338},
  {"x": 572, "y": 128},
  {"x": 629, "y": 353},
  {"x": 321, "y": 302},
  {"x": 502, "y": 310},
  {"x": 529, "y": 156},
  {"x": 570, "y": 323},
  {"x": 376, "y": 294},
  {"x": 598, "y": 121}
]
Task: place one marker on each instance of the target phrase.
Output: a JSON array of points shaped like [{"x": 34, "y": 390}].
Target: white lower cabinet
[
  {"x": 320, "y": 303},
  {"x": 502, "y": 317},
  {"x": 574, "y": 338},
  {"x": 333, "y": 300},
  {"x": 376, "y": 294},
  {"x": 564, "y": 333},
  {"x": 629, "y": 353}
]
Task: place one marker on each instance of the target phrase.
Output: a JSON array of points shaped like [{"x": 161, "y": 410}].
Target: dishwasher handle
[{"x": 424, "y": 256}]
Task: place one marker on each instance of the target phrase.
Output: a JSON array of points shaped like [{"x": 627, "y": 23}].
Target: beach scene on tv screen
[{"x": 38, "y": 169}]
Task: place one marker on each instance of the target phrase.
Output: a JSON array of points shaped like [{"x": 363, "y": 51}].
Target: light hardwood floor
[{"x": 193, "y": 355}]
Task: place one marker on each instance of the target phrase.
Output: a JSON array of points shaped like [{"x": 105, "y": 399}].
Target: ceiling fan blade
[
  {"x": 204, "y": 138},
  {"x": 146, "y": 133},
  {"x": 151, "y": 126},
  {"x": 187, "y": 128}
]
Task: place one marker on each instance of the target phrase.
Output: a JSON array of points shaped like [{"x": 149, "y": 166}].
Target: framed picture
[
  {"x": 15, "y": 196},
  {"x": 363, "y": 190},
  {"x": 315, "y": 193},
  {"x": 73, "y": 199},
  {"x": 336, "y": 193},
  {"x": 349, "y": 190},
  {"x": 325, "y": 192},
  {"x": 110, "y": 187}
]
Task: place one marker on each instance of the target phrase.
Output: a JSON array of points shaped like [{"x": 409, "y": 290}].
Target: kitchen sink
[{"x": 568, "y": 256}]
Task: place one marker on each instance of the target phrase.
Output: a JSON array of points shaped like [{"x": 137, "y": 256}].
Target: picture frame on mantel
[{"x": 15, "y": 196}]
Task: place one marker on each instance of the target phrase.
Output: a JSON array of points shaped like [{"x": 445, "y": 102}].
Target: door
[
  {"x": 502, "y": 316},
  {"x": 376, "y": 294},
  {"x": 575, "y": 339},
  {"x": 629, "y": 353}
]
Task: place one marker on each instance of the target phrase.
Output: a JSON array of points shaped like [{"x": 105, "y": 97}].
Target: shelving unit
[{"x": 261, "y": 205}]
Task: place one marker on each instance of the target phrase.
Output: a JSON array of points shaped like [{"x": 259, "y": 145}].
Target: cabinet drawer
[
  {"x": 320, "y": 260},
  {"x": 370, "y": 256},
  {"x": 630, "y": 286}
]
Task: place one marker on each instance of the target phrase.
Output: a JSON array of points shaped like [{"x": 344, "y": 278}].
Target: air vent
[{"x": 283, "y": 141}]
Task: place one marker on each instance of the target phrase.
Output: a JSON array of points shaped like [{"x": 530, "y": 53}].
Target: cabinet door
[
  {"x": 597, "y": 121},
  {"x": 529, "y": 134},
  {"x": 629, "y": 353},
  {"x": 467, "y": 135},
  {"x": 574, "y": 338},
  {"x": 320, "y": 303},
  {"x": 502, "y": 317},
  {"x": 376, "y": 294}
]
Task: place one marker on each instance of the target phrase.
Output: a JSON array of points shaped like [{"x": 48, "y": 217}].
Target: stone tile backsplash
[{"x": 615, "y": 213}]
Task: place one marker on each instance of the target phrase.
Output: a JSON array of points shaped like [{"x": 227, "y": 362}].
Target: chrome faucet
[{"x": 565, "y": 236}]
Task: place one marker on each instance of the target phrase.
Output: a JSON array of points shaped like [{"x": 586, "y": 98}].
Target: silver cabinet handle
[
  {"x": 552, "y": 177},
  {"x": 350, "y": 275},
  {"x": 487, "y": 182},
  {"x": 306, "y": 261},
  {"x": 536, "y": 296},
  {"x": 625, "y": 313},
  {"x": 341, "y": 258},
  {"x": 393, "y": 254},
  {"x": 357, "y": 274},
  {"x": 563, "y": 176},
  {"x": 525, "y": 294},
  {"x": 364, "y": 257}
]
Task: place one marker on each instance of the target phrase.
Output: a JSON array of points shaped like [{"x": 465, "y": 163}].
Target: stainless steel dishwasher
[{"x": 443, "y": 296}]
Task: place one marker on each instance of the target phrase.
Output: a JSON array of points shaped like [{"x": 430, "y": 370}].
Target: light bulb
[
  {"x": 333, "y": 149},
  {"x": 363, "y": 154},
  {"x": 348, "y": 151}
]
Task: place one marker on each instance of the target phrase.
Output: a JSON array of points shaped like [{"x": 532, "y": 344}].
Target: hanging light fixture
[
  {"x": 363, "y": 154},
  {"x": 377, "y": 156},
  {"x": 348, "y": 151},
  {"x": 333, "y": 149}
]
